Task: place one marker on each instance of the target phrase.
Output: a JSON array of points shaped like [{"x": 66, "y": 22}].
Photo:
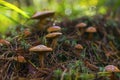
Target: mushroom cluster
[
  {"x": 53, "y": 34},
  {"x": 81, "y": 29}
]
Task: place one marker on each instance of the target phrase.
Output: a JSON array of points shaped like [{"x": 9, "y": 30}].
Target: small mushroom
[
  {"x": 53, "y": 36},
  {"x": 41, "y": 49},
  {"x": 78, "y": 48},
  {"x": 20, "y": 59},
  {"x": 4, "y": 42},
  {"x": 111, "y": 68},
  {"x": 53, "y": 29},
  {"x": 26, "y": 32},
  {"x": 80, "y": 28},
  {"x": 91, "y": 30}
]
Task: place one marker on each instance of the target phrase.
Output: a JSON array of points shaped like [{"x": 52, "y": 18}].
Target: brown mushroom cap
[
  {"x": 4, "y": 42},
  {"x": 91, "y": 30},
  {"x": 41, "y": 48},
  {"x": 53, "y": 29},
  {"x": 53, "y": 35},
  {"x": 39, "y": 15},
  {"x": 20, "y": 59},
  {"x": 111, "y": 68},
  {"x": 78, "y": 46},
  {"x": 80, "y": 25}
]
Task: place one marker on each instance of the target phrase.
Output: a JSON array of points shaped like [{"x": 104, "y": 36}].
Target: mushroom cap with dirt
[
  {"x": 53, "y": 29},
  {"x": 4, "y": 42},
  {"x": 91, "y": 29},
  {"x": 111, "y": 68},
  {"x": 41, "y": 49},
  {"x": 79, "y": 46},
  {"x": 41, "y": 15},
  {"x": 81, "y": 25}
]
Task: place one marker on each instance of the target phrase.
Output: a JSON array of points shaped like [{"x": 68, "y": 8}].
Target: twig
[{"x": 62, "y": 76}]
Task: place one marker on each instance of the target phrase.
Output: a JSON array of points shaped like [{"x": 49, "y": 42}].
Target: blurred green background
[{"x": 11, "y": 16}]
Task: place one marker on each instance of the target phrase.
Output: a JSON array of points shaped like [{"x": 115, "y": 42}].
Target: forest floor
[{"x": 65, "y": 62}]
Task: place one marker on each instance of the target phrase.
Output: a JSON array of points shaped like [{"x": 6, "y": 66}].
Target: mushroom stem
[
  {"x": 41, "y": 60},
  {"x": 42, "y": 50},
  {"x": 41, "y": 24},
  {"x": 54, "y": 43},
  {"x": 80, "y": 31},
  {"x": 78, "y": 52},
  {"x": 90, "y": 36}
]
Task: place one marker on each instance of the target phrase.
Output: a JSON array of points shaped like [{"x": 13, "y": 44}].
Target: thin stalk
[{"x": 41, "y": 60}]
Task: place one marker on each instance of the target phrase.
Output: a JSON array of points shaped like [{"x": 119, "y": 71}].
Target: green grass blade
[
  {"x": 10, "y": 18},
  {"x": 13, "y": 7}
]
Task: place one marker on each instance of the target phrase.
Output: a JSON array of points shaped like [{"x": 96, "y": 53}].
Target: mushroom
[
  {"x": 111, "y": 68},
  {"x": 41, "y": 16},
  {"x": 20, "y": 59},
  {"x": 41, "y": 49},
  {"x": 4, "y": 42},
  {"x": 80, "y": 28},
  {"x": 78, "y": 48},
  {"x": 91, "y": 30},
  {"x": 53, "y": 36},
  {"x": 26, "y": 32},
  {"x": 53, "y": 29}
]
